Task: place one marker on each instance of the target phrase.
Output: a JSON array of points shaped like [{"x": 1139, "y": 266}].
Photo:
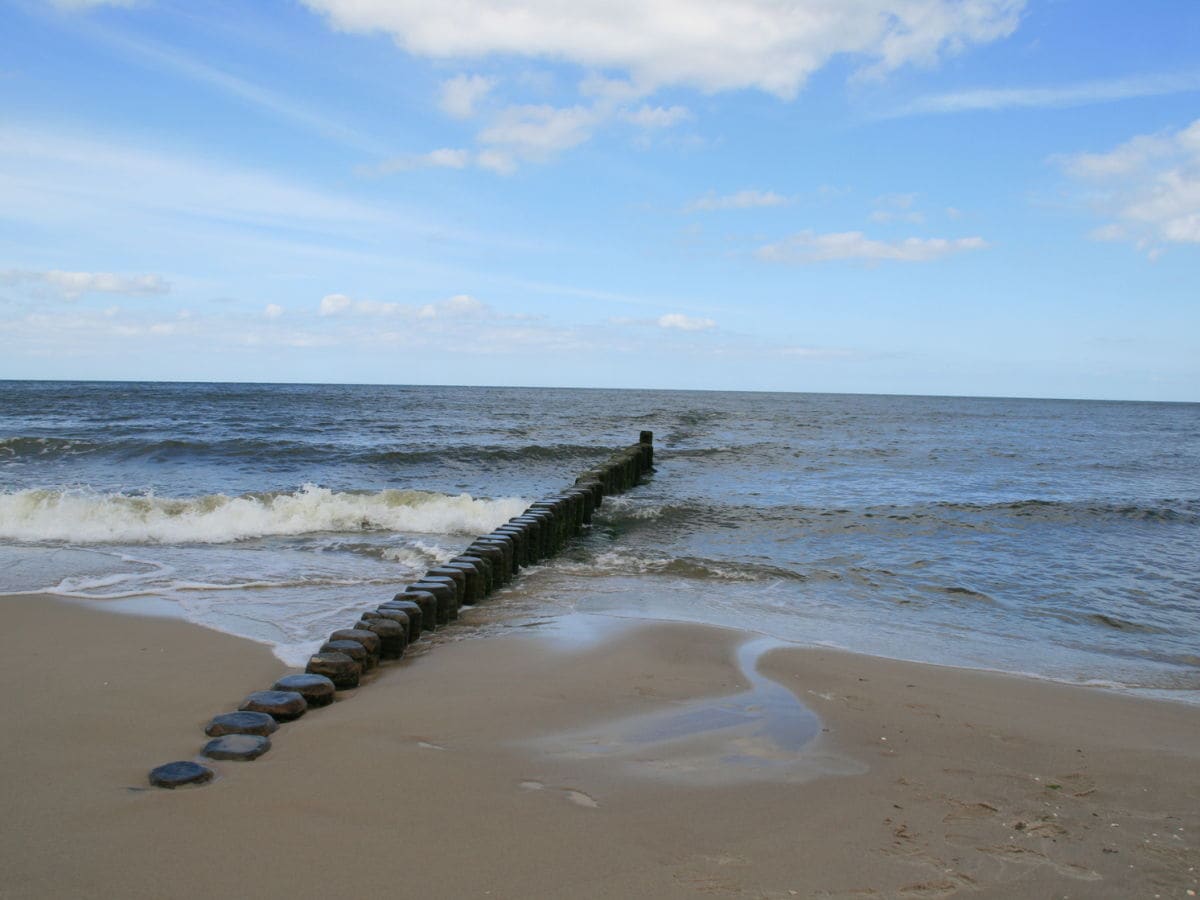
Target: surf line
[{"x": 382, "y": 635}]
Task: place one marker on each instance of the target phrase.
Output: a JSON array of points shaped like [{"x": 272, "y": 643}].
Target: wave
[
  {"x": 88, "y": 517},
  {"x": 129, "y": 449},
  {"x": 631, "y": 562},
  {"x": 43, "y": 448},
  {"x": 632, "y": 512}
]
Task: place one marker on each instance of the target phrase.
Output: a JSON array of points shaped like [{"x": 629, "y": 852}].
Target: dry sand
[{"x": 508, "y": 767}]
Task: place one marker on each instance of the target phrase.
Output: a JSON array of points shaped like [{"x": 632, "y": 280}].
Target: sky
[{"x": 957, "y": 197}]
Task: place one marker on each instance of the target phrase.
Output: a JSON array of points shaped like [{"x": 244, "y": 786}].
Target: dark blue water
[{"x": 1060, "y": 538}]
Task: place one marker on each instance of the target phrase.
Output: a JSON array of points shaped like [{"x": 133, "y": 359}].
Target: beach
[{"x": 463, "y": 770}]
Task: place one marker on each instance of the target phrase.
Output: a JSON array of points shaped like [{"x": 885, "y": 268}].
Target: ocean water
[{"x": 1054, "y": 538}]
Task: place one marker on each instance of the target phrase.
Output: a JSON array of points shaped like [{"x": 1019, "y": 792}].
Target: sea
[{"x": 1058, "y": 539}]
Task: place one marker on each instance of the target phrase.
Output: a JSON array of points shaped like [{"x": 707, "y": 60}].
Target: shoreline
[
  {"x": 158, "y": 608},
  {"x": 461, "y": 772}
]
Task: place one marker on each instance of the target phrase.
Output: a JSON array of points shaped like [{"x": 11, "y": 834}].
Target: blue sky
[{"x": 988, "y": 197}]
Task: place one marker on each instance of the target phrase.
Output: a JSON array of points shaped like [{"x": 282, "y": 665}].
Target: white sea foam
[
  {"x": 91, "y": 517},
  {"x": 419, "y": 554}
]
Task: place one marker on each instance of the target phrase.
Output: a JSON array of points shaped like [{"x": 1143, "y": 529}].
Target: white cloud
[
  {"x": 457, "y": 307},
  {"x": 646, "y": 116},
  {"x": 809, "y": 247},
  {"x": 332, "y": 304},
  {"x": 496, "y": 161},
  {"x": 896, "y": 208},
  {"x": 1054, "y": 97},
  {"x": 685, "y": 323},
  {"x": 462, "y": 94},
  {"x": 613, "y": 90},
  {"x": 90, "y": 4},
  {"x": 716, "y": 45},
  {"x": 747, "y": 199},
  {"x": 443, "y": 158},
  {"x": 1148, "y": 187},
  {"x": 73, "y": 285},
  {"x": 817, "y": 353},
  {"x": 537, "y": 132},
  {"x": 273, "y": 311}
]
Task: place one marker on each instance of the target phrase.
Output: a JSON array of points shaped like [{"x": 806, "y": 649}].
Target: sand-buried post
[
  {"x": 411, "y": 611},
  {"x": 368, "y": 639},
  {"x": 241, "y": 722},
  {"x": 353, "y": 649},
  {"x": 317, "y": 690},
  {"x": 393, "y": 637},
  {"x": 282, "y": 706},
  {"x": 401, "y": 617},
  {"x": 339, "y": 668},
  {"x": 181, "y": 773},
  {"x": 237, "y": 747}
]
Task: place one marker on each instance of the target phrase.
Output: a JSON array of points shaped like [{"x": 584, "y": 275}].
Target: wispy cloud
[
  {"x": 166, "y": 58},
  {"x": 1054, "y": 96},
  {"x": 646, "y": 116},
  {"x": 73, "y": 285},
  {"x": 685, "y": 323},
  {"x": 1148, "y": 188},
  {"x": 443, "y": 158},
  {"x": 809, "y": 247},
  {"x": 76, "y": 5},
  {"x": 457, "y": 307},
  {"x": 89, "y": 177},
  {"x": 537, "y": 132},
  {"x": 897, "y": 208},
  {"x": 746, "y": 199}
]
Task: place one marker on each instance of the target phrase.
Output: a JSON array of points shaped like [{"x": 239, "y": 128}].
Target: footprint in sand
[{"x": 579, "y": 798}]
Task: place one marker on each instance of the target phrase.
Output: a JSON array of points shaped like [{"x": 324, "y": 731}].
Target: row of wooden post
[{"x": 434, "y": 601}]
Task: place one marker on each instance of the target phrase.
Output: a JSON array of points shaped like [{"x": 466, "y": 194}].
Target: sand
[{"x": 510, "y": 767}]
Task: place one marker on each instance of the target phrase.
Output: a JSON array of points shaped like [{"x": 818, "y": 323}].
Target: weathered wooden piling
[
  {"x": 352, "y": 649},
  {"x": 428, "y": 604},
  {"x": 282, "y": 706},
  {"x": 317, "y": 690},
  {"x": 447, "y": 598},
  {"x": 483, "y": 566},
  {"x": 393, "y": 637},
  {"x": 383, "y": 634},
  {"x": 343, "y": 670},
  {"x": 474, "y": 579}
]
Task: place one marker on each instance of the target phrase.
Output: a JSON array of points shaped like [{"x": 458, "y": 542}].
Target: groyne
[{"x": 382, "y": 635}]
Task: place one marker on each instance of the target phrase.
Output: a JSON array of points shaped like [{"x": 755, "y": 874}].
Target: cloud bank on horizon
[{"x": 919, "y": 196}]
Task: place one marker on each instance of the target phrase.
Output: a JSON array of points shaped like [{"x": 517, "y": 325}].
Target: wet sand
[{"x": 643, "y": 763}]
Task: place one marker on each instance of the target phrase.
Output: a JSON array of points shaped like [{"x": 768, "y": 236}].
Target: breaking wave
[{"x": 90, "y": 517}]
